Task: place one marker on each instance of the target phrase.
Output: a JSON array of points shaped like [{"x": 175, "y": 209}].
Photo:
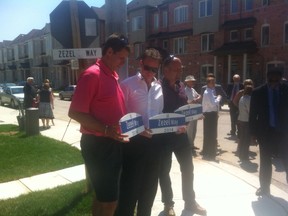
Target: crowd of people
[{"x": 124, "y": 173}]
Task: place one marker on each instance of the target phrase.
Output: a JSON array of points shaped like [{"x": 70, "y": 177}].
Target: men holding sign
[
  {"x": 175, "y": 97},
  {"x": 139, "y": 178}
]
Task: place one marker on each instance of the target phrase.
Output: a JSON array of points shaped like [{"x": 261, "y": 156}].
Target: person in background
[
  {"x": 177, "y": 143},
  {"x": 210, "y": 106},
  {"x": 218, "y": 90},
  {"x": 29, "y": 93},
  {"x": 232, "y": 90},
  {"x": 46, "y": 104},
  {"x": 50, "y": 89},
  {"x": 241, "y": 92},
  {"x": 193, "y": 97},
  {"x": 243, "y": 123},
  {"x": 98, "y": 105},
  {"x": 141, "y": 156},
  {"x": 268, "y": 123}
]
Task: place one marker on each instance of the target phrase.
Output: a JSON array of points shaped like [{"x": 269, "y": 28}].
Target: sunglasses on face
[{"x": 151, "y": 69}]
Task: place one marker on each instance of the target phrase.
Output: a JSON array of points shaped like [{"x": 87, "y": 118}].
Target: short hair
[
  {"x": 117, "y": 42},
  {"x": 210, "y": 75},
  {"x": 248, "y": 82},
  {"x": 151, "y": 53},
  {"x": 46, "y": 81}
]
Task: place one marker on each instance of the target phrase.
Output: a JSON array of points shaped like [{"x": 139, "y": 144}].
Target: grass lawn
[
  {"x": 68, "y": 200},
  {"x": 24, "y": 156}
]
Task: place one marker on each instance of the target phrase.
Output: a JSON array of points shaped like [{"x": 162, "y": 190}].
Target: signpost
[
  {"x": 166, "y": 122},
  {"x": 131, "y": 124},
  {"x": 81, "y": 53},
  {"x": 191, "y": 111}
]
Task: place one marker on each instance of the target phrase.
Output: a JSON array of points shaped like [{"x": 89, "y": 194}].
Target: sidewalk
[{"x": 221, "y": 188}]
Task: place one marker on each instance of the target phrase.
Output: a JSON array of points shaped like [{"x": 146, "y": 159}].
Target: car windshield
[{"x": 16, "y": 90}]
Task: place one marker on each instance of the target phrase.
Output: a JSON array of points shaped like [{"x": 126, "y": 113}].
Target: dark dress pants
[
  {"x": 179, "y": 144},
  {"x": 271, "y": 143},
  {"x": 244, "y": 140},
  {"x": 233, "y": 111},
  {"x": 210, "y": 134},
  {"x": 139, "y": 177}
]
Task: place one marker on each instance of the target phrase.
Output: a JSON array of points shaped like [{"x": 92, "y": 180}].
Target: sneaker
[
  {"x": 168, "y": 211},
  {"x": 195, "y": 209}
]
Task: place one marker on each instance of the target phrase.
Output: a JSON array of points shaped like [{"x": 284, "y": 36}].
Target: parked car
[
  {"x": 12, "y": 95},
  {"x": 67, "y": 93}
]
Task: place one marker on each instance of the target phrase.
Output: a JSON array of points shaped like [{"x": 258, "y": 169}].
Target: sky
[{"x": 21, "y": 16}]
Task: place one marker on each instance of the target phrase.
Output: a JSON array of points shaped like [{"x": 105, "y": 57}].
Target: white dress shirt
[
  {"x": 191, "y": 94},
  {"x": 210, "y": 102},
  {"x": 140, "y": 99}
]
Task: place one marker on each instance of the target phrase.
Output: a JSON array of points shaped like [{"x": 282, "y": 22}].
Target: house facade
[{"x": 223, "y": 37}]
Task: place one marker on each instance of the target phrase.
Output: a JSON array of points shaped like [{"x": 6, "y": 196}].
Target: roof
[
  {"x": 236, "y": 48},
  {"x": 240, "y": 23}
]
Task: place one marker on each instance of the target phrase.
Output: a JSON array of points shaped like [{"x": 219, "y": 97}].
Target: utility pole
[
  {"x": 117, "y": 23},
  {"x": 76, "y": 38}
]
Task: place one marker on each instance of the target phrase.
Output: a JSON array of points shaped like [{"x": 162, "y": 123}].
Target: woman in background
[{"x": 46, "y": 104}]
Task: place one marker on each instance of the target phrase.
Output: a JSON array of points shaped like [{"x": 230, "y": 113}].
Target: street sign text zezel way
[{"x": 84, "y": 53}]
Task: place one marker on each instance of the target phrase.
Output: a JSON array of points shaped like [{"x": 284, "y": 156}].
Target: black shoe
[
  {"x": 195, "y": 148},
  {"x": 168, "y": 211},
  {"x": 262, "y": 192}
]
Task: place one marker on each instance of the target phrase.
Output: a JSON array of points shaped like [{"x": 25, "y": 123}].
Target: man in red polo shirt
[{"x": 98, "y": 104}]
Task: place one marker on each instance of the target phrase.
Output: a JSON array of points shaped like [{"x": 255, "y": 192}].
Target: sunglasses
[{"x": 151, "y": 69}]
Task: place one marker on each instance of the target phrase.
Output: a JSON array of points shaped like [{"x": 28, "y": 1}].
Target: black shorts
[{"x": 103, "y": 160}]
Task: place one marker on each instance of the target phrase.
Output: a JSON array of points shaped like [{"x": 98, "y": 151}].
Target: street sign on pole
[{"x": 82, "y": 53}]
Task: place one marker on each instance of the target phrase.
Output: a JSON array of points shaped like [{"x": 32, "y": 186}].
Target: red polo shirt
[{"x": 99, "y": 94}]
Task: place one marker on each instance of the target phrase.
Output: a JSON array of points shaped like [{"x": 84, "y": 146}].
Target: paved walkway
[{"x": 223, "y": 189}]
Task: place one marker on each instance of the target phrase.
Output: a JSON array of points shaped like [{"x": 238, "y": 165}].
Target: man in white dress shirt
[
  {"x": 141, "y": 156},
  {"x": 210, "y": 106}
]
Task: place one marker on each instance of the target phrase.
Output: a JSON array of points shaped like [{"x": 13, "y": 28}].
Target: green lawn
[
  {"x": 68, "y": 200},
  {"x": 24, "y": 156}
]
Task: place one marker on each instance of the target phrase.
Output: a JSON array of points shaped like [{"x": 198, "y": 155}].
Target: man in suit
[
  {"x": 268, "y": 122},
  {"x": 232, "y": 90}
]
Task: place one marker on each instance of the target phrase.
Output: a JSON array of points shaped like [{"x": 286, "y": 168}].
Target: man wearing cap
[
  {"x": 193, "y": 97},
  {"x": 268, "y": 122}
]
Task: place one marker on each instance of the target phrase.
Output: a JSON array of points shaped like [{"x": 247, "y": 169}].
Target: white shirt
[
  {"x": 244, "y": 108},
  {"x": 140, "y": 100},
  {"x": 191, "y": 94},
  {"x": 210, "y": 102}
]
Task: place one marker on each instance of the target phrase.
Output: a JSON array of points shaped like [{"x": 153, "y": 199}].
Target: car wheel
[
  {"x": 1, "y": 103},
  {"x": 71, "y": 97},
  {"x": 61, "y": 97},
  {"x": 13, "y": 104}
]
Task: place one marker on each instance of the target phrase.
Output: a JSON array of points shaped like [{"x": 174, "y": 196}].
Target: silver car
[
  {"x": 12, "y": 95},
  {"x": 67, "y": 93}
]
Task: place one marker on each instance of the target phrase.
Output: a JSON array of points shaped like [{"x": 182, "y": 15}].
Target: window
[
  {"x": 248, "y": 5},
  {"x": 207, "y": 42},
  {"x": 137, "y": 23},
  {"x": 180, "y": 14},
  {"x": 205, "y": 8},
  {"x": 234, "y": 6},
  {"x": 90, "y": 27},
  {"x": 265, "y": 2},
  {"x": 138, "y": 49},
  {"x": 248, "y": 34},
  {"x": 165, "y": 19},
  {"x": 286, "y": 33},
  {"x": 205, "y": 69},
  {"x": 165, "y": 44},
  {"x": 234, "y": 35},
  {"x": 180, "y": 45},
  {"x": 156, "y": 21},
  {"x": 265, "y": 35}
]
